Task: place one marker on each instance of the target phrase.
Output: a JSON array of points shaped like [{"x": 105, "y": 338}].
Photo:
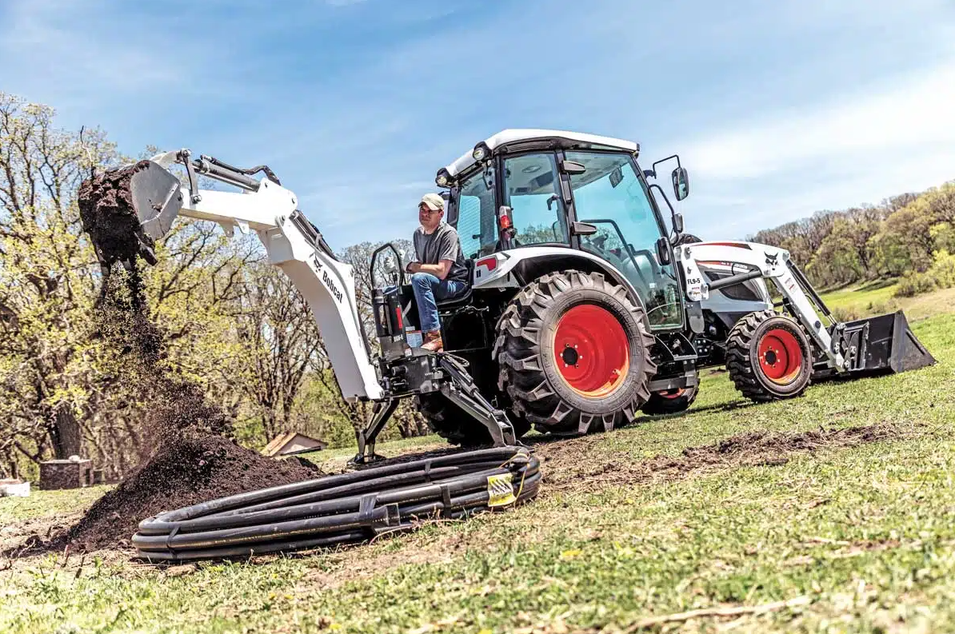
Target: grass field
[{"x": 806, "y": 524}]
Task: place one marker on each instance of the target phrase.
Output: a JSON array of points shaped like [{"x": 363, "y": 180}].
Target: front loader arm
[
  {"x": 290, "y": 240},
  {"x": 759, "y": 261}
]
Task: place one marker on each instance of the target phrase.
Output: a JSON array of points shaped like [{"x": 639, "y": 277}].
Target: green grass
[
  {"x": 858, "y": 297},
  {"x": 866, "y": 533}
]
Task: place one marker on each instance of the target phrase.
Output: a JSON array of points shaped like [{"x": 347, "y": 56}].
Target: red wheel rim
[
  {"x": 591, "y": 350},
  {"x": 671, "y": 394},
  {"x": 780, "y": 356}
]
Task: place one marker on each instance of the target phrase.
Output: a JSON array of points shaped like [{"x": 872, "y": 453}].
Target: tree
[{"x": 47, "y": 276}]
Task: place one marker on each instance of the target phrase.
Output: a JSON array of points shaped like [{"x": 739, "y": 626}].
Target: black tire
[
  {"x": 457, "y": 426},
  {"x": 661, "y": 403},
  {"x": 752, "y": 374},
  {"x": 529, "y": 364}
]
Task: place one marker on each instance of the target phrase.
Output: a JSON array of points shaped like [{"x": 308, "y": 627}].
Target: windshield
[{"x": 610, "y": 196}]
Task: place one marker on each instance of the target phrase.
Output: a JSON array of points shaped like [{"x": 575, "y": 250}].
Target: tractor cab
[{"x": 536, "y": 195}]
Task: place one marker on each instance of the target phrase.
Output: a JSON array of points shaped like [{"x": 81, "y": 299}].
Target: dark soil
[
  {"x": 564, "y": 468},
  {"x": 192, "y": 459},
  {"x": 184, "y": 472},
  {"x": 107, "y": 214}
]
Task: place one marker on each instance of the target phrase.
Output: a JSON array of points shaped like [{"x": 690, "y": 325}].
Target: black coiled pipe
[{"x": 339, "y": 509}]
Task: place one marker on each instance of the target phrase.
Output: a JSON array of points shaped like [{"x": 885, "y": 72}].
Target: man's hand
[{"x": 413, "y": 267}]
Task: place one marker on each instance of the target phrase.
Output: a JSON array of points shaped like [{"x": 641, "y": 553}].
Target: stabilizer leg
[
  {"x": 462, "y": 391},
  {"x": 366, "y": 438}
]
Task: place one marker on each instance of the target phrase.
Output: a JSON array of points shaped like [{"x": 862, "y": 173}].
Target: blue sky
[{"x": 778, "y": 109}]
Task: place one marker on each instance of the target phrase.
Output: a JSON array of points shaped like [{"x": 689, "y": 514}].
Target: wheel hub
[
  {"x": 780, "y": 356},
  {"x": 569, "y": 355},
  {"x": 592, "y": 351}
]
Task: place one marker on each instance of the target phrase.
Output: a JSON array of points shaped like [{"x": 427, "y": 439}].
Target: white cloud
[{"x": 899, "y": 119}]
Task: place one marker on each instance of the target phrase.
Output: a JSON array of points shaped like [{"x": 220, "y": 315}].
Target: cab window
[{"x": 531, "y": 191}]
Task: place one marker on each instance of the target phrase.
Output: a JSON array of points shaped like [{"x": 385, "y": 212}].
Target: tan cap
[{"x": 434, "y": 202}]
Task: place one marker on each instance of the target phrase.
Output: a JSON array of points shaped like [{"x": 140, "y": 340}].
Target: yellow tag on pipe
[{"x": 500, "y": 490}]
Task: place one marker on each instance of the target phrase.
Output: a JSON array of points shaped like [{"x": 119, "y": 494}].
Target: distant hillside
[{"x": 909, "y": 235}]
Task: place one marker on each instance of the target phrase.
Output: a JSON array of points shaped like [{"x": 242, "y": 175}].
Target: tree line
[{"x": 910, "y": 236}]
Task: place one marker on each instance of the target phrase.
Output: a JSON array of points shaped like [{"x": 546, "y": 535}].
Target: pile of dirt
[
  {"x": 566, "y": 471},
  {"x": 184, "y": 472},
  {"x": 192, "y": 459}
]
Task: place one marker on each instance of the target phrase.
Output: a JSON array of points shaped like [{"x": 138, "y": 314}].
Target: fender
[{"x": 514, "y": 268}]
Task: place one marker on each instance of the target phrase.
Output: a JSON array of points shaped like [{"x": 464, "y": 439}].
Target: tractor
[{"x": 588, "y": 305}]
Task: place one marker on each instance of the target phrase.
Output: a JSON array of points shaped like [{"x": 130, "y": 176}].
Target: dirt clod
[{"x": 184, "y": 472}]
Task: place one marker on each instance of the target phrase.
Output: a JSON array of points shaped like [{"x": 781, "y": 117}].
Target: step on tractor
[{"x": 587, "y": 304}]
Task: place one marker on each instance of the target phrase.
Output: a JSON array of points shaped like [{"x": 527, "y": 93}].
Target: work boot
[{"x": 432, "y": 341}]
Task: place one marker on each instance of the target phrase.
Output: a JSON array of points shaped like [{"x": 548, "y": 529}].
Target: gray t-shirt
[{"x": 443, "y": 244}]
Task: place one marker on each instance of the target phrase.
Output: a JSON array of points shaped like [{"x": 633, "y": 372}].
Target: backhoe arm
[{"x": 290, "y": 240}]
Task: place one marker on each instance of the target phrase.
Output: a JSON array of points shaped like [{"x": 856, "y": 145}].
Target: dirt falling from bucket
[{"x": 193, "y": 460}]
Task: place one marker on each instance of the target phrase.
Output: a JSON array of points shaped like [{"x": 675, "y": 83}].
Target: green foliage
[
  {"x": 897, "y": 237},
  {"x": 940, "y": 275}
]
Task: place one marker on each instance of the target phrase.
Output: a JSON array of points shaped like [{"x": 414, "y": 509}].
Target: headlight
[{"x": 443, "y": 179}]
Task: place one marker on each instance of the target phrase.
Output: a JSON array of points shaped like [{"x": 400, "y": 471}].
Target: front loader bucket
[
  {"x": 884, "y": 344},
  {"x": 156, "y": 198}
]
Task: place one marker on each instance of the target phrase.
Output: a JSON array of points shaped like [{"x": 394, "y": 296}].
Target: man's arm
[{"x": 439, "y": 270}]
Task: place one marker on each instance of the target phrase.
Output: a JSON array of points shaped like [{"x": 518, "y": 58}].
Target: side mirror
[
  {"x": 663, "y": 251},
  {"x": 574, "y": 169},
  {"x": 681, "y": 183},
  {"x": 677, "y": 223}
]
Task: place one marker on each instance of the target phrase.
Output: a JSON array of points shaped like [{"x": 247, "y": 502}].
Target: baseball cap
[{"x": 434, "y": 202}]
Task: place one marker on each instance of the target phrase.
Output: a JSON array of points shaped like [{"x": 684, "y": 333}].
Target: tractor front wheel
[
  {"x": 670, "y": 401},
  {"x": 573, "y": 354},
  {"x": 769, "y": 357}
]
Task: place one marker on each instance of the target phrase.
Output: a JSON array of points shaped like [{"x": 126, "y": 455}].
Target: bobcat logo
[{"x": 771, "y": 259}]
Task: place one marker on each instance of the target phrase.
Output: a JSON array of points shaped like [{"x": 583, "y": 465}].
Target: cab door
[{"x": 609, "y": 195}]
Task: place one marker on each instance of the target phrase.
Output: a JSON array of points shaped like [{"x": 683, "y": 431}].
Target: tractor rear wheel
[
  {"x": 768, "y": 357},
  {"x": 572, "y": 350},
  {"x": 457, "y": 426},
  {"x": 670, "y": 401}
]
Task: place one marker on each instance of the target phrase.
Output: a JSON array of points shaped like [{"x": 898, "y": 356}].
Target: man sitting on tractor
[{"x": 439, "y": 271}]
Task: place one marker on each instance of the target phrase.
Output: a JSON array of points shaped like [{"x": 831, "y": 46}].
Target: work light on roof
[
  {"x": 443, "y": 179},
  {"x": 481, "y": 152}
]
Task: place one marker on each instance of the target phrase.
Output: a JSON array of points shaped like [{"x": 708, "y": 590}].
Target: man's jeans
[{"x": 428, "y": 290}]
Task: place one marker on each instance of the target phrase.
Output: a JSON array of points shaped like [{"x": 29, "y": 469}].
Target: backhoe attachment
[{"x": 126, "y": 210}]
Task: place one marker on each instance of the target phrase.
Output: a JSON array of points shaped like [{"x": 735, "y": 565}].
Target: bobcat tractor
[{"x": 587, "y": 304}]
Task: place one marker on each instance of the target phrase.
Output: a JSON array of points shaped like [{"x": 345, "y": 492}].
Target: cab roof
[{"x": 520, "y": 139}]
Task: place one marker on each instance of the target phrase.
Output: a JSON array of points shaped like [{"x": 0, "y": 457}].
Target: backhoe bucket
[
  {"x": 156, "y": 198},
  {"x": 884, "y": 344}
]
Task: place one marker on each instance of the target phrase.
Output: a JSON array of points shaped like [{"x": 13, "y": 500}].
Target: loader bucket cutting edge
[
  {"x": 885, "y": 344},
  {"x": 156, "y": 198}
]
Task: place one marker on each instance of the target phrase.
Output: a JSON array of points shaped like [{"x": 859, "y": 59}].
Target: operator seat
[{"x": 465, "y": 298}]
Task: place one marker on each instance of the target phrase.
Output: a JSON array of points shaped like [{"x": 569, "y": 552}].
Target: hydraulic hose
[{"x": 346, "y": 508}]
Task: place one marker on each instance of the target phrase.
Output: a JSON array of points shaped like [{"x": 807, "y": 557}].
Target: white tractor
[{"x": 584, "y": 308}]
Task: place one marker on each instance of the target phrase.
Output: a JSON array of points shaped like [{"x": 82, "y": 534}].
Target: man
[{"x": 438, "y": 271}]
